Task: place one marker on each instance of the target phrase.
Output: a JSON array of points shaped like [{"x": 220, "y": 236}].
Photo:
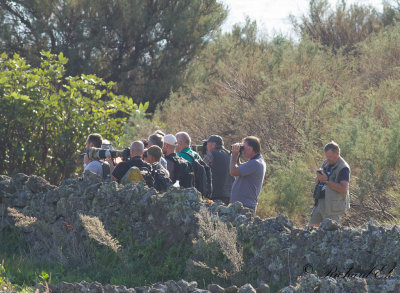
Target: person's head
[
  {"x": 251, "y": 146},
  {"x": 154, "y": 154},
  {"x": 183, "y": 141},
  {"x": 214, "y": 142},
  {"x": 94, "y": 140},
  {"x": 137, "y": 148},
  {"x": 332, "y": 152},
  {"x": 156, "y": 139},
  {"x": 170, "y": 143},
  {"x": 159, "y": 132}
]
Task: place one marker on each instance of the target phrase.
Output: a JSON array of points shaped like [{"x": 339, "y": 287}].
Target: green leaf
[{"x": 18, "y": 96}]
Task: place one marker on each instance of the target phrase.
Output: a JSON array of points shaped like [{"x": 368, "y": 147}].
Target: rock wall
[{"x": 56, "y": 220}]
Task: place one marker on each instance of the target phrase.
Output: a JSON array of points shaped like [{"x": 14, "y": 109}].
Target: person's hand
[
  {"x": 322, "y": 177},
  {"x": 86, "y": 159},
  {"x": 109, "y": 160},
  {"x": 236, "y": 149}
]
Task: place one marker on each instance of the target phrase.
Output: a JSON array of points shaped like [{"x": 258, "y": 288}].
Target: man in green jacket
[
  {"x": 183, "y": 147},
  {"x": 332, "y": 199}
]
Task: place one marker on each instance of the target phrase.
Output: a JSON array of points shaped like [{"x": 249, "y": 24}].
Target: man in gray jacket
[
  {"x": 332, "y": 198},
  {"x": 218, "y": 159}
]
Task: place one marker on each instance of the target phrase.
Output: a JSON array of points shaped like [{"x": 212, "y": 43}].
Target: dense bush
[{"x": 45, "y": 116}]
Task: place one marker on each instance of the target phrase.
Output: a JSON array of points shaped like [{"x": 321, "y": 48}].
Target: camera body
[{"x": 200, "y": 148}]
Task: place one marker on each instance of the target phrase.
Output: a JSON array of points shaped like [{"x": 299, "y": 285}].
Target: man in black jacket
[
  {"x": 136, "y": 152},
  {"x": 218, "y": 159}
]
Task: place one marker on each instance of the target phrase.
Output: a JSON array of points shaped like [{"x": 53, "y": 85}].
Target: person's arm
[
  {"x": 112, "y": 167},
  {"x": 342, "y": 187},
  {"x": 120, "y": 171},
  {"x": 234, "y": 170}
]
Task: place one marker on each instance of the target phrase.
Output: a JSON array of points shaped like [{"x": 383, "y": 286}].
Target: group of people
[{"x": 170, "y": 160}]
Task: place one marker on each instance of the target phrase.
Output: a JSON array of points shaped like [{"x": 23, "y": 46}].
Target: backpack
[
  {"x": 161, "y": 180},
  {"x": 182, "y": 171},
  {"x": 137, "y": 174},
  {"x": 202, "y": 176}
]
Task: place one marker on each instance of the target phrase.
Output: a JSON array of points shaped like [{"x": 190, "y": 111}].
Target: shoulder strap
[{"x": 190, "y": 156}]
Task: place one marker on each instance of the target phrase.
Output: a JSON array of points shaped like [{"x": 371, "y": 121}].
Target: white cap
[{"x": 170, "y": 139}]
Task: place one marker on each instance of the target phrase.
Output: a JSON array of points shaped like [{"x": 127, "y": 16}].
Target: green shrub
[{"x": 46, "y": 116}]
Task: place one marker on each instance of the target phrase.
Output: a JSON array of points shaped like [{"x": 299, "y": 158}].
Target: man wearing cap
[
  {"x": 169, "y": 152},
  {"x": 218, "y": 159},
  {"x": 178, "y": 168}
]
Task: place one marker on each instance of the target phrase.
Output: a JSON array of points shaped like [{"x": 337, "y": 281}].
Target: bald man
[{"x": 136, "y": 152}]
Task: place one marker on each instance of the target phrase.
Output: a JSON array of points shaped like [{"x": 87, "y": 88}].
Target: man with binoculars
[{"x": 249, "y": 175}]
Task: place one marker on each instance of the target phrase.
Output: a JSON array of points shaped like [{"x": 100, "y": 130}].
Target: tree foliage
[
  {"x": 345, "y": 26},
  {"x": 142, "y": 45},
  {"x": 45, "y": 116}
]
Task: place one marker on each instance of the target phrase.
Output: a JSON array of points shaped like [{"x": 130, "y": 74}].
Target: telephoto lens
[{"x": 96, "y": 154}]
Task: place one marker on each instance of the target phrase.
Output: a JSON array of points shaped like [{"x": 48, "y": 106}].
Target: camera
[
  {"x": 99, "y": 154},
  {"x": 319, "y": 171},
  {"x": 200, "y": 148}
]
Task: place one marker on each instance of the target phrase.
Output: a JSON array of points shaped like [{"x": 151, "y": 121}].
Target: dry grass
[
  {"x": 20, "y": 219},
  {"x": 95, "y": 228},
  {"x": 213, "y": 234}
]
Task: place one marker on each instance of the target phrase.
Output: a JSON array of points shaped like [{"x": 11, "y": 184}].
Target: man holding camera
[
  {"x": 218, "y": 159},
  {"x": 136, "y": 152},
  {"x": 250, "y": 175},
  {"x": 331, "y": 193},
  {"x": 93, "y": 140}
]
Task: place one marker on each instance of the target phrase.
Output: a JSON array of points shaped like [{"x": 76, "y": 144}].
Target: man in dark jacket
[
  {"x": 136, "y": 152},
  {"x": 218, "y": 159}
]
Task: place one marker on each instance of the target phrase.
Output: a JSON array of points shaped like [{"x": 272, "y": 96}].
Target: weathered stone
[
  {"x": 19, "y": 180},
  {"x": 37, "y": 184},
  {"x": 247, "y": 288},
  {"x": 329, "y": 225},
  {"x": 95, "y": 287},
  {"x": 276, "y": 251},
  {"x": 192, "y": 286},
  {"x": 214, "y": 288},
  {"x": 174, "y": 287},
  {"x": 232, "y": 289},
  {"x": 264, "y": 288},
  {"x": 143, "y": 289}
]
